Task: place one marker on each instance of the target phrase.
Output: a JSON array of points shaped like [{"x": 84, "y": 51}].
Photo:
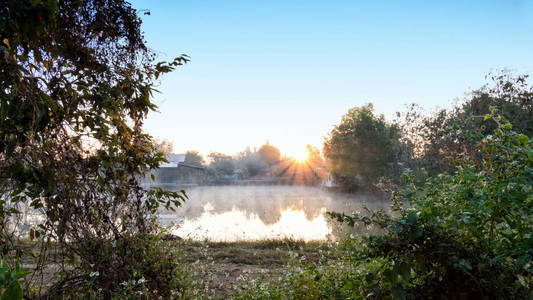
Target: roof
[
  {"x": 187, "y": 165},
  {"x": 175, "y": 158}
]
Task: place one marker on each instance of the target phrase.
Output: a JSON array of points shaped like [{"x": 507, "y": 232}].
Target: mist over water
[{"x": 232, "y": 213}]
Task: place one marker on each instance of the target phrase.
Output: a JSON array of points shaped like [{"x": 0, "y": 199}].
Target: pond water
[{"x": 233, "y": 213}]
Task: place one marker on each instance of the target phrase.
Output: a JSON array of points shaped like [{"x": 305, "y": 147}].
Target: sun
[{"x": 299, "y": 156}]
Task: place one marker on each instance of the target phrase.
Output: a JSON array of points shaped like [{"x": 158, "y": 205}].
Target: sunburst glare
[{"x": 299, "y": 155}]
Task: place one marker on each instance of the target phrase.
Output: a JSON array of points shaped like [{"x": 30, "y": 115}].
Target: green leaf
[
  {"x": 399, "y": 293},
  {"x": 13, "y": 292},
  {"x": 522, "y": 138},
  {"x": 412, "y": 217}
]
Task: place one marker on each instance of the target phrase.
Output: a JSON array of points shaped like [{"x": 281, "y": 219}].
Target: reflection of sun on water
[{"x": 235, "y": 226}]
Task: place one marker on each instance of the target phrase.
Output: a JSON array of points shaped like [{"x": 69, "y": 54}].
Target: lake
[{"x": 234, "y": 213}]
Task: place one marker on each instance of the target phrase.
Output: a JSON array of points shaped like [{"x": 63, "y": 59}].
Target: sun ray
[{"x": 299, "y": 155}]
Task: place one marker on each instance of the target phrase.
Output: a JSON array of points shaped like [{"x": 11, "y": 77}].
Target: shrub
[
  {"x": 126, "y": 267},
  {"x": 10, "y": 287},
  {"x": 466, "y": 234}
]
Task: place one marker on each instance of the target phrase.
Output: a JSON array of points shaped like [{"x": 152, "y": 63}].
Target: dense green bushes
[{"x": 462, "y": 234}]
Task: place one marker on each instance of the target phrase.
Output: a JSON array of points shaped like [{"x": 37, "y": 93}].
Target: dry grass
[{"x": 217, "y": 266}]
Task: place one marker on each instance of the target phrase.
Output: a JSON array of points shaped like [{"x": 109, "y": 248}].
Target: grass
[{"x": 217, "y": 268}]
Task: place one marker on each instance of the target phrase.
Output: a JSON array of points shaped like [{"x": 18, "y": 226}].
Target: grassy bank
[
  {"x": 217, "y": 270},
  {"x": 223, "y": 269}
]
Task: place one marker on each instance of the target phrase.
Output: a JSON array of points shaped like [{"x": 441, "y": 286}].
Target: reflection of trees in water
[{"x": 268, "y": 202}]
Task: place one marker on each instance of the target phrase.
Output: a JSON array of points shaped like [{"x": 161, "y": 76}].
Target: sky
[{"x": 286, "y": 71}]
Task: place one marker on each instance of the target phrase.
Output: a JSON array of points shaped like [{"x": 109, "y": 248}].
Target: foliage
[
  {"x": 317, "y": 165},
  {"x": 75, "y": 87},
  {"x": 460, "y": 235},
  {"x": 362, "y": 149},
  {"x": 465, "y": 234},
  {"x": 432, "y": 138},
  {"x": 221, "y": 163},
  {"x": 270, "y": 154},
  {"x": 164, "y": 146},
  {"x": 126, "y": 268},
  {"x": 314, "y": 156},
  {"x": 10, "y": 287},
  {"x": 194, "y": 157},
  {"x": 250, "y": 163}
]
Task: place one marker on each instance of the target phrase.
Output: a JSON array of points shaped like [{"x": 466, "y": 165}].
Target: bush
[
  {"x": 10, "y": 287},
  {"x": 126, "y": 267},
  {"x": 466, "y": 234}
]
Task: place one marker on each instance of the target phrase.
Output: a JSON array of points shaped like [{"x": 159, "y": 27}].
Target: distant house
[
  {"x": 173, "y": 160},
  {"x": 177, "y": 172}
]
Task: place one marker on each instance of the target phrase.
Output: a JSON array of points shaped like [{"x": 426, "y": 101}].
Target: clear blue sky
[{"x": 287, "y": 71}]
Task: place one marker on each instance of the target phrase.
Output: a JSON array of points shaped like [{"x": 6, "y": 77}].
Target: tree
[
  {"x": 449, "y": 132},
  {"x": 269, "y": 154},
  {"x": 362, "y": 148},
  {"x": 221, "y": 163},
  {"x": 314, "y": 156},
  {"x": 194, "y": 157},
  {"x": 164, "y": 146},
  {"x": 75, "y": 87},
  {"x": 250, "y": 163}
]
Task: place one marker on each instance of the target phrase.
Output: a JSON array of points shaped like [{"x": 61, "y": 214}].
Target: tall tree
[
  {"x": 194, "y": 157},
  {"x": 75, "y": 87},
  {"x": 362, "y": 148},
  {"x": 269, "y": 153}
]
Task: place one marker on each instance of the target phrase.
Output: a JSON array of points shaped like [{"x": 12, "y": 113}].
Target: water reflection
[
  {"x": 230, "y": 213},
  {"x": 236, "y": 225}
]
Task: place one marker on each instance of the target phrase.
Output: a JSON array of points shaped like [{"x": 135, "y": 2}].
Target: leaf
[
  {"x": 404, "y": 270},
  {"x": 522, "y": 138},
  {"x": 412, "y": 217},
  {"x": 13, "y": 292},
  {"x": 399, "y": 293}
]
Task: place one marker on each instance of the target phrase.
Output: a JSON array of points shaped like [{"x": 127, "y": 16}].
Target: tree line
[
  {"x": 364, "y": 149},
  {"x": 264, "y": 164}
]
